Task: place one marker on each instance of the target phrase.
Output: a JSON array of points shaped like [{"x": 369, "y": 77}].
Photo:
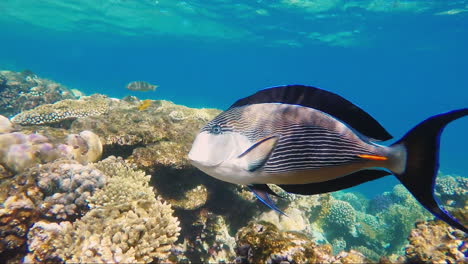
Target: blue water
[{"x": 405, "y": 65}]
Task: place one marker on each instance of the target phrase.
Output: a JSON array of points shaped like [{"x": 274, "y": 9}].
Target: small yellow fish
[{"x": 144, "y": 104}]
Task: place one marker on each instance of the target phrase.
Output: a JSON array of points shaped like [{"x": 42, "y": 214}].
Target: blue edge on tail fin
[{"x": 422, "y": 165}]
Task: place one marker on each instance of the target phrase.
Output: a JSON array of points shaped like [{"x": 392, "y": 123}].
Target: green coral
[
  {"x": 63, "y": 110},
  {"x": 127, "y": 223}
]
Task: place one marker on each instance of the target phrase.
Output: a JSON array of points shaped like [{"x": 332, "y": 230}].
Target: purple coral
[{"x": 66, "y": 187}]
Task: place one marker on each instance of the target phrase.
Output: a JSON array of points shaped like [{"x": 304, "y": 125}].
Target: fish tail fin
[{"x": 422, "y": 162}]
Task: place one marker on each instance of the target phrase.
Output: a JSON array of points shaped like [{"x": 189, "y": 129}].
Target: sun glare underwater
[{"x": 155, "y": 131}]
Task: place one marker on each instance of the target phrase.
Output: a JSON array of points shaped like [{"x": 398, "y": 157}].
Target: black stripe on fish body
[
  {"x": 322, "y": 100},
  {"x": 313, "y": 148}
]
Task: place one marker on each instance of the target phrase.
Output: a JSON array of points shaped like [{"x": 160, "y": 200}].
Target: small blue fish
[{"x": 310, "y": 141}]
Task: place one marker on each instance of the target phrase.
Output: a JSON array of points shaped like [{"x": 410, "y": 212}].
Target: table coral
[
  {"x": 127, "y": 222},
  {"x": 436, "y": 242},
  {"x": 63, "y": 110}
]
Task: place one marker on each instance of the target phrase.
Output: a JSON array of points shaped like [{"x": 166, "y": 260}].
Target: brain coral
[
  {"x": 127, "y": 224},
  {"x": 63, "y": 110}
]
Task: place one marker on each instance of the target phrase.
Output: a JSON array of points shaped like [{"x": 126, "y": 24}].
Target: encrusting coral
[
  {"x": 63, "y": 110},
  {"x": 436, "y": 242},
  {"x": 126, "y": 224}
]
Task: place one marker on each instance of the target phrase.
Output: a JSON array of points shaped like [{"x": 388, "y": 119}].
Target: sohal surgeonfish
[{"x": 310, "y": 141}]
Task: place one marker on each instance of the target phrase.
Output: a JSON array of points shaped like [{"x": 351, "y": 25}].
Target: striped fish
[
  {"x": 141, "y": 86},
  {"x": 310, "y": 141}
]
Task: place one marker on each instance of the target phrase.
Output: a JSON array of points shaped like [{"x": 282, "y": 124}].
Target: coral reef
[
  {"x": 17, "y": 213},
  {"x": 41, "y": 238},
  {"x": 63, "y": 110},
  {"x": 452, "y": 190},
  {"x": 21, "y": 91},
  {"x": 5, "y": 125},
  {"x": 19, "y": 151},
  {"x": 59, "y": 206},
  {"x": 341, "y": 215},
  {"x": 127, "y": 223},
  {"x": 436, "y": 242},
  {"x": 66, "y": 185},
  {"x": 261, "y": 242},
  {"x": 209, "y": 240},
  {"x": 193, "y": 199}
]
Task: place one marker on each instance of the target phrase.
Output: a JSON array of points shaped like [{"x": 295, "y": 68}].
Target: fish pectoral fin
[
  {"x": 262, "y": 194},
  {"x": 257, "y": 155}
]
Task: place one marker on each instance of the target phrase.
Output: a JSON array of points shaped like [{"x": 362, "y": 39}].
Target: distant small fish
[
  {"x": 144, "y": 104},
  {"x": 310, "y": 141},
  {"x": 141, "y": 86}
]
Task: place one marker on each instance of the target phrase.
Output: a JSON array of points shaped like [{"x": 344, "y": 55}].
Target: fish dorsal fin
[
  {"x": 322, "y": 100},
  {"x": 257, "y": 155}
]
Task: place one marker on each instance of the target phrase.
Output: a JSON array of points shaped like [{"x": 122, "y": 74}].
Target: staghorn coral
[
  {"x": 66, "y": 185},
  {"x": 436, "y": 242},
  {"x": 127, "y": 223},
  {"x": 63, "y": 110}
]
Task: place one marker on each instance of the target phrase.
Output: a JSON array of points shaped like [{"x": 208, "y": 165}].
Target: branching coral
[
  {"x": 66, "y": 186},
  {"x": 341, "y": 215},
  {"x": 63, "y": 110},
  {"x": 127, "y": 222}
]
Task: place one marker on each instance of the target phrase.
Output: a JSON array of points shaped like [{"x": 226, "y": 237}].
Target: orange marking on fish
[{"x": 373, "y": 157}]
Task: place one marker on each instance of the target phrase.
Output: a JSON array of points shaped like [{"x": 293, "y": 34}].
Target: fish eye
[{"x": 216, "y": 129}]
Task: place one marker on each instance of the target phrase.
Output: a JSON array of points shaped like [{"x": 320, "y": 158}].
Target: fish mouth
[{"x": 200, "y": 163}]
